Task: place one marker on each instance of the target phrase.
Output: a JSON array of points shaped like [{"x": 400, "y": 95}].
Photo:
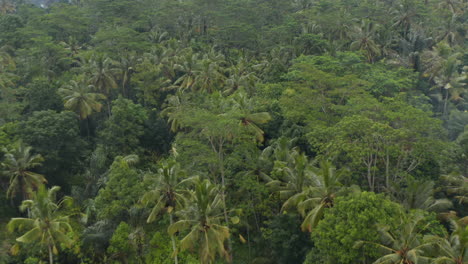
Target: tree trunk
[
  {"x": 108, "y": 108},
  {"x": 223, "y": 196},
  {"x": 87, "y": 126},
  {"x": 223, "y": 192},
  {"x": 387, "y": 171},
  {"x": 174, "y": 249},
  {"x": 51, "y": 256},
  {"x": 446, "y": 101}
]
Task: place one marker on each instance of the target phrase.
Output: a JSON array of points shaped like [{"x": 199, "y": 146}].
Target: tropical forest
[{"x": 233, "y": 131}]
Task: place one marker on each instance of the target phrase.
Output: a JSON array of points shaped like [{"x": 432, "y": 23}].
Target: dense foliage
[{"x": 233, "y": 131}]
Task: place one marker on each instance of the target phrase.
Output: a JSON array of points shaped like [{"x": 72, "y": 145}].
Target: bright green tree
[
  {"x": 80, "y": 98},
  {"x": 167, "y": 194},
  {"x": 404, "y": 244},
  {"x": 122, "y": 132},
  {"x": 352, "y": 218},
  {"x": 17, "y": 165},
  {"x": 124, "y": 182},
  {"x": 46, "y": 225},
  {"x": 203, "y": 217},
  {"x": 452, "y": 249}
]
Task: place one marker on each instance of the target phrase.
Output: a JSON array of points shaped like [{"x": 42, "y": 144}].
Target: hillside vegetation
[{"x": 234, "y": 131}]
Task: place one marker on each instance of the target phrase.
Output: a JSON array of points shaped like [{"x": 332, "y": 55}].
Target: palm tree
[
  {"x": 79, "y": 98},
  {"x": 102, "y": 74},
  {"x": 420, "y": 195},
  {"x": 72, "y": 45},
  {"x": 247, "y": 115},
  {"x": 405, "y": 245},
  {"x": 172, "y": 111},
  {"x": 7, "y": 65},
  {"x": 448, "y": 80},
  {"x": 203, "y": 216},
  {"x": 442, "y": 70},
  {"x": 280, "y": 150},
  {"x": 46, "y": 225},
  {"x": 321, "y": 195},
  {"x": 404, "y": 15},
  {"x": 126, "y": 67},
  {"x": 240, "y": 77},
  {"x": 208, "y": 73},
  {"x": 452, "y": 249},
  {"x": 167, "y": 194},
  {"x": 18, "y": 164},
  {"x": 294, "y": 178},
  {"x": 187, "y": 68},
  {"x": 364, "y": 39},
  {"x": 457, "y": 184}
]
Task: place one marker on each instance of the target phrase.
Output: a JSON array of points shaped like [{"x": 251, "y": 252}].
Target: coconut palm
[
  {"x": 457, "y": 185},
  {"x": 321, "y": 195},
  {"x": 420, "y": 195},
  {"x": 187, "y": 68},
  {"x": 172, "y": 111},
  {"x": 208, "y": 77},
  {"x": 203, "y": 217},
  {"x": 404, "y": 16},
  {"x": 449, "y": 81},
  {"x": 79, "y": 98},
  {"x": 364, "y": 39},
  {"x": 442, "y": 69},
  {"x": 452, "y": 249},
  {"x": 248, "y": 117},
  {"x": 7, "y": 65},
  {"x": 405, "y": 244},
  {"x": 125, "y": 67},
  {"x": 46, "y": 225},
  {"x": 240, "y": 77},
  {"x": 102, "y": 74},
  {"x": 280, "y": 149},
  {"x": 17, "y": 164},
  {"x": 167, "y": 194},
  {"x": 72, "y": 45},
  {"x": 209, "y": 72},
  {"x": 293, "y": 178}
]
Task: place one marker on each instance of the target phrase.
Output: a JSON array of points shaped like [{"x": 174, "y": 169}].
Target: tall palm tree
[
  {"x": 405, "y": 245},
  {"x": 7, "y": 65},
  {"x": 448, "y": 80},
  {"x": 167, "y": 195},
  {"x": 240, "y": 77},
  {"x": 321, "y": 195},
  {"x": 294, "y": 178},
  {"x": 457, "y": 184},
  {"x": 125, "y": 67},
  {"x": 79, "y": 98},
  {"x": 420, "y": 195},
  {"x": 174, "y": 107},
  {"x": 247, "y": 115},
  {"x": 102, "y": 74},
  {"x": 187, "y": 67},
  {"x": 208, "y": 73},
  {"x": 46, "y": 226},
  {"x": 17, "y": 165},
  {"x": 280, "y": 149},
  {"x": 442, "y": 70},
  {"x": 453, "y": 249},
  {"x": 202, "y": 217},
  {"x": 365, "y": 40}
]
